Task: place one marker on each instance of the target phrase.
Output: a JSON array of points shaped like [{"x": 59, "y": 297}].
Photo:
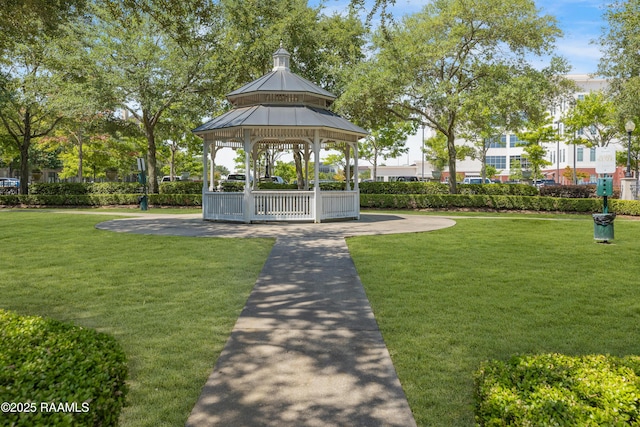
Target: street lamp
[{"x": 629, "y": 127}]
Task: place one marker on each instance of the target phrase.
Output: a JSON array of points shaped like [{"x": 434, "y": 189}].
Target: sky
[{"x": 581, "y": 22}]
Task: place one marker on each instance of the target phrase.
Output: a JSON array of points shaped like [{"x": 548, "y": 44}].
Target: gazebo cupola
[{"x": 285, "y": 112}]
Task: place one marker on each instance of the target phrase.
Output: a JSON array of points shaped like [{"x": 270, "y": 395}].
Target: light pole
[{"x": 629, "y": 127}]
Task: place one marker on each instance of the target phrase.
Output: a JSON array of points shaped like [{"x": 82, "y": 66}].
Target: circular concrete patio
[{"x": 194, "y": 226}]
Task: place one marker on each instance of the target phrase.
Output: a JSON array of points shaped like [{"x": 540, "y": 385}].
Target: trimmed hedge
[
  {"x": 414, "y": 187},
  {"x": 72, "y": 188},
  {"x": 475, "y": 201},
  {"x": 44, "y": 362},
  {"x": 180, "y": 187},
  {"x": 569, "y": 191},
  {"x": 100, "y": 200},
  {"x": 396, "y": 195},
  {"x": 559, "y": 390}
]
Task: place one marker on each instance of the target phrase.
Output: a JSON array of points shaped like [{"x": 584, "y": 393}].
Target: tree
[
  {"x": 152, "y": 65},
  {"x": 30, "y": 98},
  {"x": 321, "y": 47},
  {"x": 534, "y": 152},
  {"x": 594, "y": 120},
  {"x": 387, "y": 142},
  {"x": 510, "y": 103},
  {"x": 620, "y": 45},
  {"x": 428, "y": 67},
  {"x": 437, "y": 152},
  {"x": 26, "y": 21}
]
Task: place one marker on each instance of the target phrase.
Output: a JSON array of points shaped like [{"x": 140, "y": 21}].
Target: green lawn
[
  {"x": 170, "y": 301},
  {"x": 491, "y": 288},
  {"x": 444, "y": 300}
]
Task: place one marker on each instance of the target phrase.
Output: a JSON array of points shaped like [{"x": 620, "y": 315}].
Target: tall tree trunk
[
  {"x": 24, "y": 164},
  {"x": 149, "y": 127},
  {"x": 375, "y": 165},
  {"x": 80, "y": 141},
  {"x": 172, "y": 162},
  {"x": 24, "y": 153},
  {"x": 152, "y": 182},
  {"x": 451, "y": 148}
]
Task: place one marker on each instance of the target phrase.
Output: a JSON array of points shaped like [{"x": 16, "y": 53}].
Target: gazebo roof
[
  {"x": 280, "y": 102},
  {"x": 280, "y": 81},
  {"x": 289, "y": 116}
]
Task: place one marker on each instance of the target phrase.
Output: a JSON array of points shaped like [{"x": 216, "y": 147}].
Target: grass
[
  {"x": 445, "y": 300},
  {"x": 170, "y": 301},
  {"x": 488, "y": 289}
]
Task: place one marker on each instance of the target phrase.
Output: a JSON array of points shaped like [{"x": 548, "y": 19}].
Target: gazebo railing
[
  {"x": 283, "y": 205},
  {"x": 340, "y": 204},
  {"x": 223, "y": 206},
  {"x": 288, "y": 205}
]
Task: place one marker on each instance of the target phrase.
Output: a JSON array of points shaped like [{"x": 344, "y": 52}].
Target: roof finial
[{"x": 281, "y": 59}]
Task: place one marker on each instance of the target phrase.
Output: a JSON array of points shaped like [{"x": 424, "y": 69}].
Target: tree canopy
[
  {"x": 428, "y": 67},
  {"x": 620, "y": 45}
]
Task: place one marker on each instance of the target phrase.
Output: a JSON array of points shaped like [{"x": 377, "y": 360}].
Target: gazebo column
[
  {"x": 347, "y": 168},
  {"x": 356, "y": 187},
  {"x": 213, "y": 151},
  {"x": 316, "y": 176},
  {"x": 205, "y": 157},
  {"x": 247, "y": 199},
  {"x": 356, "y": 177}
]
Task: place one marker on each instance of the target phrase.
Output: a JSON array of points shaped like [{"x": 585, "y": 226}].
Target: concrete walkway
[{"x": 306, "y": 350}]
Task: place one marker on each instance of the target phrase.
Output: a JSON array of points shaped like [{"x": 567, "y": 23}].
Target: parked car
[
  {"x": 475, "y": 180},
  {"x": 407, "y": 178},
  {"x": 544, "y": 182},
  {"x": 9, "y": 185},
  {"x": 275, "y": 179},
  {"x": 237, "y": 177},
  {"x": 167, "y": 178}
]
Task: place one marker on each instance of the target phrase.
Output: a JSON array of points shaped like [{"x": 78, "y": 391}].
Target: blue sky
[{"x": 580, "y": 20}]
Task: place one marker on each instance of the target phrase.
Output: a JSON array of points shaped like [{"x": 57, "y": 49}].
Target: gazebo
[{"x": 280, "y": 111}]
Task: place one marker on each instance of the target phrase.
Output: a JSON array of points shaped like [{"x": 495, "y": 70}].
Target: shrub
[
  {"x": 276, "y": 186},
  {"x": 411, "y": 187},
  {"x": 44, "y": 361},
  {"x": 232, "y": 187},
  {"x": 115, "y": 188},
  {"x": 499, "y": 189},
  {"x": 625, "y": 207},
  {"x": 569, "y": 191},
  {"x": 181, "y": 187},
  {"x": 60, "y": 188},
  {"x": 476, "y": 201},
  {"x": 441, "y": 188},
  {"x": 555, "y": 389}
]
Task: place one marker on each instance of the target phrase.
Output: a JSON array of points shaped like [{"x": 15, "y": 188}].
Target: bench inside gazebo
[{"x": 280, "y": 111}]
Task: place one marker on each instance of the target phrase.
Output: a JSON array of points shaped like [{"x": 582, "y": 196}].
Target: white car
[
  {"x": 475, "y": 180},
  {"x": 274, "y": 179}
]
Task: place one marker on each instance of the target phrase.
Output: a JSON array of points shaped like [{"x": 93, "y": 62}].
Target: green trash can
[{"x": 603, "y": 226}]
